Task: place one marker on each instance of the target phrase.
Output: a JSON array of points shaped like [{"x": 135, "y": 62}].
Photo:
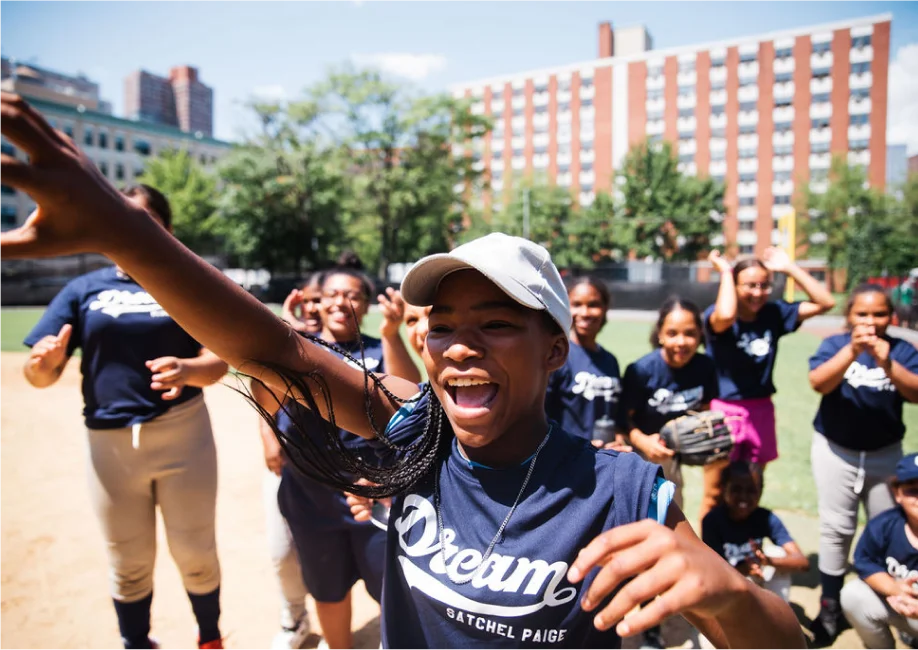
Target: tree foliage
[
  {"x": 664, "y": 213},
  {"x": 191, "y": 191}
]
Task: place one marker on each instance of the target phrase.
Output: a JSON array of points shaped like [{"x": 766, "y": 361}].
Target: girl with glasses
[{"x": 741, "y": 330}]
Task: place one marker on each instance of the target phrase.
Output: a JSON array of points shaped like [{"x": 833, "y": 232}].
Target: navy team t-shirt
[
  {"x": 655, "y": 392},
  {"x": 864, "y": 412},
  {"x": 731, "y": 538},
  {"x": 884, "y": 547},
  {"x": 523, "y": 597},
  {"x": 306, "y": 500},
  {"x": 744, "y": 354},
  {"x": 119, "y": 327},
  {"x": 584, "y": 389}
]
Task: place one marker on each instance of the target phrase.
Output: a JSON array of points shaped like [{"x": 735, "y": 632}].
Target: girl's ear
[{"x": 557, "y": 353}]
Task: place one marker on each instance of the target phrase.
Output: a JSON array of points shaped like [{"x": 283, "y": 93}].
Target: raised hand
[
  {"x": 720, "y": 262},
  {"x": 50, "y": 353},
  {"x": 776, "y": 260},
  {"x": 879, "y": 350},
  {"x": 862, "y": 338},
  {"x": 78, "y": 210},
  {"x": 393, "y": 310},
  {"x": 653, "y": 447},
  {"x": 293, "y": 309},
  {"x": 170, "y": 374}
]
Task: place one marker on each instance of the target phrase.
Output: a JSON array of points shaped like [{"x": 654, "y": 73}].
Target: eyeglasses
[
  {"x": 764, "y": 287},
  {"x": 909, "y": 490},
  {"x": 349, "y": 296}
]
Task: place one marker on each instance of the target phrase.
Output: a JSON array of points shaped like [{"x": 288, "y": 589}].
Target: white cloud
[
  {"x": 270, "y": 93},
  {"x": 902, "y": 126},
  {"x": 411, "y": 66}
]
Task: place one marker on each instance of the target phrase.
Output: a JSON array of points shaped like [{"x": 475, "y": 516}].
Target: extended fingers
[
  {"x": 172, "y": 393},
  {"x": 672, "y": 600},
  {"x": 162, "y": 363},
  {"x": 598, "y": 551},
  {"x": 26, "y": 128},
  {"x": 624, "y": 564}
]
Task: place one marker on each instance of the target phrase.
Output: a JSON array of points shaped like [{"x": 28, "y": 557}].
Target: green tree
[
  {"x": 550, "y": 209},
  {"x": 191, "y": 191},
  {"x": 847, "y": 208},
  {"x": 283, "y": 194},
  {"x": 663, "y": 213},
  {"x": 403, "y": 171}
]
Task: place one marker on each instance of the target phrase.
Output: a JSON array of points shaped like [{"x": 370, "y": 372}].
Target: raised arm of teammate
[{"x": 79, "y": 211}]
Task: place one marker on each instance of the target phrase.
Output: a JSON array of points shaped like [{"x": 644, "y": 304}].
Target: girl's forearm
[
  {"x": 827, "y": 377},
  {"x": 813, "y": 288},
  {"x": 724, "y": 313},
  {"x": 205, "y": 369}
]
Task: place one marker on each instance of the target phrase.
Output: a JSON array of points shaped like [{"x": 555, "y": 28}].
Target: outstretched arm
[
  {"x": 820, "y": 300},
  {"x": 79, "y": 211},
  {"x": 724, "y": 314}
]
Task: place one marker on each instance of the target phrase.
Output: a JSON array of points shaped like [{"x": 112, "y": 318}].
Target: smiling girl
[
  {"x": 864, "y": 376},
  {"x": 498, "y": 534},
  {"x": 586, "y": 389}
]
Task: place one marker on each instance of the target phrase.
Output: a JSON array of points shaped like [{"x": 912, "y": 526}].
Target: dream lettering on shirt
[
  {"x": 899, "y": 571},
  {"x": 755, "y": 346},
  {"x": 500, "y": 574},
  {"x": 666, "y": 401},
  {"x": 114, "y": 303},
  {"x": 860, "y": 376},
  {"x": 736, "y": 553},
  {"x": 591, "y": 386}
]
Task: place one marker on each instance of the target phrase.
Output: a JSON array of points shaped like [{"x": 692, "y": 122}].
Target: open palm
[{"x": 76, "y": 204}]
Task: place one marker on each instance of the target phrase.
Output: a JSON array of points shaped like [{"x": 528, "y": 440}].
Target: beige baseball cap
[{"x": 523, "y": 270}]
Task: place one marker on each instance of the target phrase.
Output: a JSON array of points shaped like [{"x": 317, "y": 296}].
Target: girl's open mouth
[{"x": 471, "y": 397}]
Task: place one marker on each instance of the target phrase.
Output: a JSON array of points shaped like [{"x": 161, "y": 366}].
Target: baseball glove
[{"x": 698, "y": 438}]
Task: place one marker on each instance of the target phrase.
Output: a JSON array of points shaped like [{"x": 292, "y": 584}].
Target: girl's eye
[
  {"x": 494, "y": 325},
  {"x": 438, "y": 329}
]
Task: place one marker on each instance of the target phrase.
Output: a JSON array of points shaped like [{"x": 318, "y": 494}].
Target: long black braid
[{"x": 331, "y": 462}]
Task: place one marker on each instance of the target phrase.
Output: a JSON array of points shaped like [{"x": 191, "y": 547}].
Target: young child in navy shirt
[
  {"x": 498, "y": 534},
  {"x": 737, "y": 528},
  {"x": 864, "y": 376},
  {"x": 586, "y": 390},
  {"x": 667, "y": 383},
  {"x": 885, "y": 594},
  {"x": 742, "y": 330}
]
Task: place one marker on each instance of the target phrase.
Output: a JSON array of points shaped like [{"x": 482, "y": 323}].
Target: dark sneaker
[
  {"x": 828, "y": 624},
  {"x": 652, "y": 638},
  {"x": 908, "y": 640}
]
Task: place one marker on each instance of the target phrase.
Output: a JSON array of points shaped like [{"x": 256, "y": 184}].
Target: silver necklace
[{"x": 503, "y": 526}]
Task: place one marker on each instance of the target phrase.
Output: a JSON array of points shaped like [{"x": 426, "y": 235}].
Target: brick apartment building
[
  {"x": 763, "y": 113},
  {"x": 182, "y": 100}
]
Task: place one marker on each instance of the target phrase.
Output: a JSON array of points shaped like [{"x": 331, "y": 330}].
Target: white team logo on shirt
[
  {"x": 114, "y": 303},
  {"x": 860, "y": 376},
  {"x": 736, "y": 553},
  {"x": 755, "y": 346},
  {"x": 666, "y": 401},
  {"x": 502, "y": 573},
  {"x": 591, "y": 386},
  {"x": 899, "y": 571}
]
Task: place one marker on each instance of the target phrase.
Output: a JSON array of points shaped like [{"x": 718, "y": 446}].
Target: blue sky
[{"x": 276, "y": 49}]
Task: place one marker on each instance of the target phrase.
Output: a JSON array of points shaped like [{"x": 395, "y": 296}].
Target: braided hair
[{"x": 330, "y": 462}]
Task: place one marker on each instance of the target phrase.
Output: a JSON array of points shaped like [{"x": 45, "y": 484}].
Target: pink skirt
[{"x": 753, "y": 424}]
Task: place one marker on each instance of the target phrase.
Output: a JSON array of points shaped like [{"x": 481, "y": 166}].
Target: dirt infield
[{"x": 54, "y": 587}]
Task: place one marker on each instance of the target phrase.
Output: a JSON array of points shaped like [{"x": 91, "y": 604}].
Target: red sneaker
[{"x": 216, "y": 644}]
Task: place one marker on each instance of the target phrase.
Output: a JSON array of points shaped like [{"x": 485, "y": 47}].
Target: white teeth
[{"x": 466, "y": 381}]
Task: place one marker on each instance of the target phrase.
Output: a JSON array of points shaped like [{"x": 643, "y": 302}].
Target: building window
[
  {"x": 784, "y": 53},
  {"x": 655, "y": 71},
  {"x": 783, "y": 101},
  {"x": 654, "y": 115},
  {"x": 748, "y": 81},
  {"x": 103, "y": 167},
  {"x": 720, "y": 84},
  {"x": 860, "y": 68},
  {"x": 119, "y": 172},
  {"x": 68, "y": 130},
  {"x": 782, "y": 199},
  {"x": 686, "y": 157},
  {"x": 718, "y": 132},
  {"x": 748, "y": 128},
  {"x": 821, "y": 98},
  {"x": 747, "y": 249},
  {"x": 747, "y": 177},
  {"x": 87, "y": 136},
  {"x": 860, "y": 41},
  {"x": 686, "y": 112},
  {"x": 860, "y": 93},
  {"x": 821, "y": 73},
  {"x": 784, "y": 150},
  {"x": 586, "y": 167},
  {"x": 6, "y": 190},
  {"x": 784, "y": 77},
  {"x": 138, "y": 171},
  {"x": 746, "y": 201},
  {"x": 819, "y": 147},
  {"x": 822, "y": 48},
  {"x": 518, "y": 92},
  {"x": 820, "y": 122},
  {"x": 654, "y": 93},
  {"x": 143, "y": 147},
  {"x": 746, "y": 107},
  {"x": 103, "y": 140},
  {"x": 858, "y": 120},
  {"x": 119, "y": 143},
  {"x": 519, "y": 110},
  {"x": 782, "y": 176},
  {"x": 782, "y": 127},
  {"x": 687, "y": 66},
  {"x": 657, "y": 137},
  {"x": 586, "y": 82},
  {"x": 586, "y": 103},
  {"x": 565, "y": 107},
  {"x": 748, "y": 153},
  {"x": 718, "y": 155},
  {"x": 748, "y": 57},
  {"x": 748, "y": 226},
  {"x": 859, "y": 145},
  {"x": 8, "y": 149}
]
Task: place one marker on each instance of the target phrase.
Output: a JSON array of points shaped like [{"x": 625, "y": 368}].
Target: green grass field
[{"x": 789, "y": 480}]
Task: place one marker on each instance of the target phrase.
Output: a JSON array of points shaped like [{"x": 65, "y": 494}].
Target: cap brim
[{"x": 419, "y": 287}]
